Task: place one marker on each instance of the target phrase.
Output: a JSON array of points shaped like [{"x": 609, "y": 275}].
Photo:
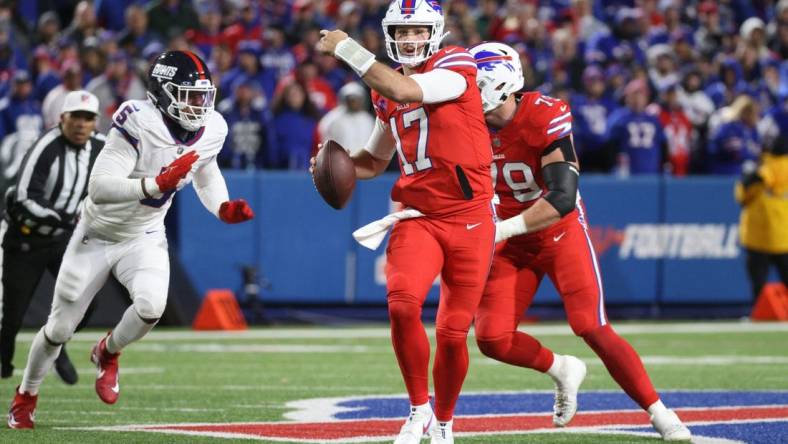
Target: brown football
[{"x": 334, "y": 174}]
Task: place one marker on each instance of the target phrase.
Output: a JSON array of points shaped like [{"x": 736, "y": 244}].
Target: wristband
[
  {"x": 355, "y": 55},
  {"x": 514, "y": 226}
]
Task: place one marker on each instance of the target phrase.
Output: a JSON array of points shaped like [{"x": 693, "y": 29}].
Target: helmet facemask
[
  {"x": 190, "y": 106},
  {"x": 428, "y": 47}
]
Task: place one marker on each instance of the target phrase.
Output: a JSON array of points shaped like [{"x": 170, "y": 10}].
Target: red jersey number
[
  {"x": 410, "y": 118},
  {"x": 520, "y": 179}
]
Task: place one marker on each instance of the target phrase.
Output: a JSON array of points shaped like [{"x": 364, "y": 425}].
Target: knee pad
[
  {"x": 596, "y": 336},
  {"x": 58, "y": 332},
  {"x": 446, "y": 334},
  {"x": 582, "y": 322},
  {"x": 148, "y": 307},
  {"x": 403, "y": 307},
  {"x": 493, "y": 347}
]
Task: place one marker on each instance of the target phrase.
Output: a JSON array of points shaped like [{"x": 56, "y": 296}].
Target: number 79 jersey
[
  {"x": 518, "y": 147},
  {"x": 432, "y": 140}
]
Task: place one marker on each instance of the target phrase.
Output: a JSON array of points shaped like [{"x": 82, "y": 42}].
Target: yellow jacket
[{"x": 763, "y": 225}]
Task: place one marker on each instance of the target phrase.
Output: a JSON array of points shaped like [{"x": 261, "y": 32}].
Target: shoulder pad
[{"x": 132, "y": 116}]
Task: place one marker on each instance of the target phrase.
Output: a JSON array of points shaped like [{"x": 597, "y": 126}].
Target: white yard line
[
  {"x": 337, "y": 332},
  {"x": 161, "y": 347},
  {"x": 688, "y": 360}
]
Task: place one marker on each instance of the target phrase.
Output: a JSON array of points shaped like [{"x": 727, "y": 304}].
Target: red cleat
[
  {"x": 107, "y": 386},
  {"x": 22, "y": 414}
]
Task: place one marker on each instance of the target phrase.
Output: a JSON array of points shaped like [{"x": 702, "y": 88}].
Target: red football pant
[
  {"x": 418, "y": 250},
  {"x": 563, "y": 252}
]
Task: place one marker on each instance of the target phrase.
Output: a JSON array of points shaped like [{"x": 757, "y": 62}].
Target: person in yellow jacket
[{"x": 763, "y": 227}]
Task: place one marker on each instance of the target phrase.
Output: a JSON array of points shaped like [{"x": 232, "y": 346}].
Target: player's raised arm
[
  {"x": 212, "y": 191},
  {"x": 412, "y": 37}
]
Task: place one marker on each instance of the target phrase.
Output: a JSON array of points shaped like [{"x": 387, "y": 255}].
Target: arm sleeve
[
  {"x": 109, "y": 180},
  {"x": 211, "y": 187},
  {"x": 440, "y": 85},
  {"x": 381, "y": 144}
]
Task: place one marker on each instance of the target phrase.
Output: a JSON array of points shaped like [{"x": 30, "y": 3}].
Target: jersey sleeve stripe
[
  {"x": 129, "y": 138},
  {"x": 444, "y": 65},
  {"x": 561, "y": 117},
  {"x": 564, "y": 128},
  {"x": 465, "y": 55}
]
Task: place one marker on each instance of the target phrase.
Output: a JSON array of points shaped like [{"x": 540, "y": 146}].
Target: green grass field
[{"x": 179, "y": 376}]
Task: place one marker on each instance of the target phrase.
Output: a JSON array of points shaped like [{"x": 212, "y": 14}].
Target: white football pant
[{"x": 141, "y": 264}]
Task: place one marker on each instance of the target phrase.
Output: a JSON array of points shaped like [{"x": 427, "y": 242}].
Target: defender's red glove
[
  {"x": 177, "y": 170},
  {"x": 235, "y": 211}
]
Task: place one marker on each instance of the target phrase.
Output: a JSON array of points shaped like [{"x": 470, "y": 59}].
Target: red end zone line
[{"x": 390, "y": 427}]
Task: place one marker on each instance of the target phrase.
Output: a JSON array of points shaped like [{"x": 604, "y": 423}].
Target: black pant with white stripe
[{"x": 24, "y": 261}]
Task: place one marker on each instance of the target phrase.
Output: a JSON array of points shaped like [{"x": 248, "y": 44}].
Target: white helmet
[
  {"x": 499, "y": 73},
  {"x": 413, "y": 13}
]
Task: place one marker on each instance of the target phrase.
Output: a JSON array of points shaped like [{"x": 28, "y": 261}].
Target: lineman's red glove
[
  {"x": 177, "y": 170},
  {"x": 235, "y": 211}
]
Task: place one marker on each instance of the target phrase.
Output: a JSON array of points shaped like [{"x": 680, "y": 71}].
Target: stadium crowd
[{"x": 656, "y": 86}]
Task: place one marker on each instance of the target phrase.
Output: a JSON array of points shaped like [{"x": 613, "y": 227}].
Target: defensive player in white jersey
[{"x": 155, "y": 148}]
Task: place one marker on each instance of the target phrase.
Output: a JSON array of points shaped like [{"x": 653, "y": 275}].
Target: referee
[{"x": 41, "y": 212}]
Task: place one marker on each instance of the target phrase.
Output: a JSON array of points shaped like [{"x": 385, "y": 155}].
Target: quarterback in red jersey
[
  {"x": 543, "y": 231},
  {"x": 430, "y": 115}
]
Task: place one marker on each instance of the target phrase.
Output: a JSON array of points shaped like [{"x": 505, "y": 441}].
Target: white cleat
[
  {"x": 571, "y": 374},
  {"x": 441, "y": 433},
  {"x": 417, "y": 426},
  {"x": 670, "y": 427}
]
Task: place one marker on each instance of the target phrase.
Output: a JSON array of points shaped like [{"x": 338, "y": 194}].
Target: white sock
[
  {"x": 39, "y": 361},
  {"x": 657, "y": 407},
  {"x": 555, "y": 370},
  {"x": 130, "y": 328}
]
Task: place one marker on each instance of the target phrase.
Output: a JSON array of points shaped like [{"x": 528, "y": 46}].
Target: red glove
[
  {"x": 235, "y": 211},
  {"x": 177, "y": 170}
]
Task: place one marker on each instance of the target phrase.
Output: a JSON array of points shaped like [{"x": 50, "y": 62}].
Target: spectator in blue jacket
[
  {"x": 636, "y": 135},
  {"x": 295, "y": 122},
  {"x": 250, "y": 127},
  {"x": 736, "y": 141},
  {"x": 590, "y": 111},
  {"x": 20, "y": 125}
]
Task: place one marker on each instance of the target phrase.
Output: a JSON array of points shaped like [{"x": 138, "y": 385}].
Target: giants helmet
[
  {"x": 499, "y": 73},
  {"x": 413, "y": 13},
  {"x": 179, "y": 84}
]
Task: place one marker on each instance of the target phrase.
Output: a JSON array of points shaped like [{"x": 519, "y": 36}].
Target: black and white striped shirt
[{"x": 51, "y": 183}]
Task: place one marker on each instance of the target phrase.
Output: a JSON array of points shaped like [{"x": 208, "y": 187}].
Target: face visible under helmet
[
  {"x": 179, "y": 84},
  {"x": 499, "y": 73},
  {"x": 427, "y": 13}
]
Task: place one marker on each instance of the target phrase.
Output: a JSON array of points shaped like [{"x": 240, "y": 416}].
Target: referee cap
[{"x": 80, "y": 101}]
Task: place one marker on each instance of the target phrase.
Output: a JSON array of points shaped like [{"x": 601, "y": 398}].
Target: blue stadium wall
[{"x": 659, "y": 240}]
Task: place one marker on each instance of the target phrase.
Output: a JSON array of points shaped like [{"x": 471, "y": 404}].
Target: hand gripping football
[{"x": 334, "y": 174}]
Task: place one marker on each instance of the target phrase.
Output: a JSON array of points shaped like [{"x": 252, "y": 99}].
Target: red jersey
[
  {"x": 678, "y": 130},
  {"x": 433, "y": 139},
  {"x": 518, "y": 147}
]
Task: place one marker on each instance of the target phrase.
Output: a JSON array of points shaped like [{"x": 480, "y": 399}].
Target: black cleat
[{"x": 65, "y": 369}]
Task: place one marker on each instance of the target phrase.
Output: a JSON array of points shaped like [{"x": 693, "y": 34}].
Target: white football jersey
[{"x": 139, "y": 124}]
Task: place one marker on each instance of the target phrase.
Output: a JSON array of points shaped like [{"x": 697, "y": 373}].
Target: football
[{"x": 334, "y": 174}]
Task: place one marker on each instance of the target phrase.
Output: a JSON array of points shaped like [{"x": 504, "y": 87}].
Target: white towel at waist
[{"x": 372, "y": 234}]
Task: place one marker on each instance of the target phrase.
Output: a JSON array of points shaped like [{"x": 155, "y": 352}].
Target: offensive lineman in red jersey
[
  {"x": 430, "y": 114},
  {"x": 543, "y": 231}
]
